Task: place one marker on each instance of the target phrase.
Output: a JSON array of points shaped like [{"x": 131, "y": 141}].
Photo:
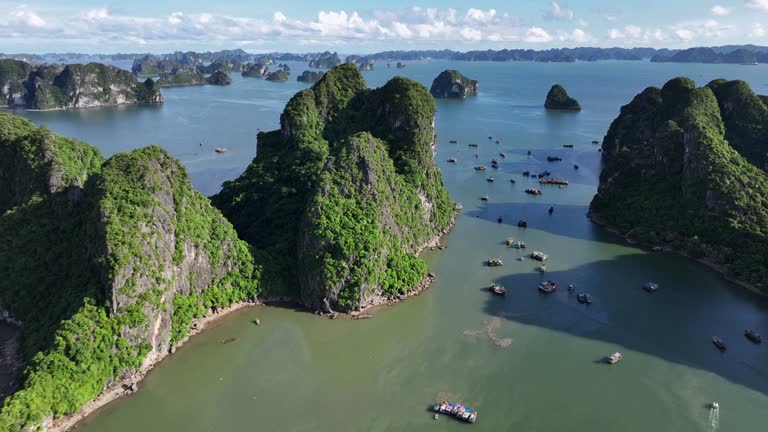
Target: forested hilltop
[
  {"x": 339, "y": 201},
  {"x": 104, "y": 263},
  {"x": 43, "y": 87},
  {"x": 684, "y": 166}
]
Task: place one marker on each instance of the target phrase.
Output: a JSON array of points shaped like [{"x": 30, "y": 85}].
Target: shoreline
[
  {"x": 129, "y": 385},
  {"x": 597, "y": 220}
]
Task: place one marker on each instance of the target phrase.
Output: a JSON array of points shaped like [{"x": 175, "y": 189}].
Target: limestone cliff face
[
  {"x": 325, "y": 60},
  {"x": 339, "y": 200},
  {"x": 106, "y": 264},
  {"x": 452, "y": 84},
  {"x": 558, "y": 99},
  {"x": 74, "y": 86},
  {"x": 310, "y": 76},
  {"x": 255, "y": 70},
  {"x": 679, "y": 170},
  {"x": 180, "y": 77}
]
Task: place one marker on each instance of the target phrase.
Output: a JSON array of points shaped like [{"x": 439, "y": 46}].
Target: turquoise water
[{"x": 298, "y": 372}]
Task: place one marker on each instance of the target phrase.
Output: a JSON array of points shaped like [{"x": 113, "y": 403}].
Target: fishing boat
[
  {"x": 533, "y": 191},
  {"x": 575, "y": 167},
  {"x": 456, "y": 410},
  {"x": 479, "y": 167},
  {"x": 526, "y": 173},
  {"x": 581, "y": 297},
  {"x": 510, "y": 241},
  {"x": 539, "y": 256},
  {"x": 512, "y": 181},
  {"x": 521, "y": 245},
  {"x": 452, "y": 142},
  {"x": 714, "y": 406},
  {"x": 595, "y": 142},
  {"x": 498, "y": 289},
  {"x": 553, "y": 181},
  {"x": 452, "y": 160},
  {"x": 547, "y": 287},
  {"x": 502, "y": 155},
  {"x": 220, "y": 149},
  {"x": 567, "y": 145},
  {"x": 495, "y": 262},
  {"x": 489, "y": 179},
  {"x": 753, "y": 336},
  {"x": 615, "y": 358},
  {"x": 522, "y": 223},
  {"x": 473, "y": 145},
  {"x": 542, "y": 268},
  {"x": 650, "y": 287},
  {"x": 571, "y": 287},
  {"x": 554, "y": 159},
  {"x": 484, "y": 198},
  {"x": 719, "y": 343}
]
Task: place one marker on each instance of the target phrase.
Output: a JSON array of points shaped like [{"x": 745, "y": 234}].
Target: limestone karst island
[{"x": 307, "y": 216}]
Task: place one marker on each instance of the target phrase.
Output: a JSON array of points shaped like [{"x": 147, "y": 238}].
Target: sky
[{"x": 158, "y": 26}]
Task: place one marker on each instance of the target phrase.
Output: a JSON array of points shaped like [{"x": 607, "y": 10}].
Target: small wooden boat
[
  {"x": 551, "y": 210},
  {"x": 498, "y": 289},
  {"x": 489, "y": 179},
  {"x": 567, "y": 145},
  {"x": 490, "y": 137},
  {"x": 542, "y": 268},
  {"x": 512, "y": 181},
  {"x": 472, "y": 145},
  {"x": 595, "y": 142},
  {"x": 499, "y": 219},
  {"x": 581, "y": 297},
  {"x": 522, "y": 223},
  {"x": 452, "y": 142},
  {"x": 719, "y": 343},
  {"x": 452, "y": 160},
  {"x": 497, "y": 141},
  {"x": 714, "y": 406},
  {"x": 510, "y": 241},
  {"x": 502, "y": 155},
  {"x": 521, "y": 245},
  {"x": 547, "y": 287},
  {"x": 650, "y": 287},
  {"x": 484, "y": 198},
  {"x": 554, "y": 159},
  {"x": 479, "y": 167},
  {"x": 575, "y": 167},
  {"x": 544, "y": 174},
  {"x": 753, "y": 336},
  {"x": 526, "y": 173},
  {"x": 533, "y": 191},
  {"x": 571, "y": 287},
  {"x": 615, "y": 358},
  {"x": 495, "y": 262},
  {"x": 220, "y": 149}
]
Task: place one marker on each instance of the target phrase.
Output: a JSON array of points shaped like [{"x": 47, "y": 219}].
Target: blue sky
[{"x": 358, "y": 27}]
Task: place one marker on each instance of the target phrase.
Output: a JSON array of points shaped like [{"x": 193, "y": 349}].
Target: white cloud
[
  {"x": 757, "y": 4},
  {"x": 685, "y": 31},
  {"x": 577, "y": 36},
  {"x": 720, "y": 10},
  {"x": 537, "y": 35},
  {"x": 559, "y": 13},
  {"x": 758, "y": 30}
]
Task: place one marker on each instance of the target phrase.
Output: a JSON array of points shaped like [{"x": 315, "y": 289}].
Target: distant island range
[{"x": 732, "y": 54}]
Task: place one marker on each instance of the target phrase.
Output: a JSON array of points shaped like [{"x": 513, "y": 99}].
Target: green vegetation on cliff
[
  {"x": 558, "y": 99},
  {"x": 672, "y": 175},
  {"x": 278, "y": 75},
  {"x": 105, "y": 265},
  {"x": 452, "y": 84},
  {"x": 337, "y": 203},
  {"x": 74, "y": 86}
]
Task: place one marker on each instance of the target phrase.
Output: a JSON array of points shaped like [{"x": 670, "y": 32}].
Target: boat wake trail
[{"x": 714, "y": 419}]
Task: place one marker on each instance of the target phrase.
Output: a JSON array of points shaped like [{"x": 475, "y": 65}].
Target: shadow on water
[
  {"x": 675, "y": 324},
  {"x": 560, "y": 222}
]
